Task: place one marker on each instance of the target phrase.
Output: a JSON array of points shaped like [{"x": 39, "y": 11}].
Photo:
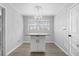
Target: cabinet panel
[{"x": 37, "y": 43}]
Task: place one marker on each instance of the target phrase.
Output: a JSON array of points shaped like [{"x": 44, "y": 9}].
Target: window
[{"x": 38, "y": 25}]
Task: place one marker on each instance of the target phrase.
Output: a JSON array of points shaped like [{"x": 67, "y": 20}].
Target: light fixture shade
[{"x": 38, "y": 12}]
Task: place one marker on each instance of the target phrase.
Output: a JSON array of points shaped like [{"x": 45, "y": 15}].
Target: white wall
[
  {"x": 0, "y": 11},
  {"x": 14, "y": 28},
  {"x": 61, "y": 29},
  {"x": 49, "y": 38},
  {"x": 60, "y": 33},
  {"x": 0, "y": 32}
]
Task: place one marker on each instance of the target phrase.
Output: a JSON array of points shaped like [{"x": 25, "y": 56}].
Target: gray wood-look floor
[{"x": 24, "y": 50}]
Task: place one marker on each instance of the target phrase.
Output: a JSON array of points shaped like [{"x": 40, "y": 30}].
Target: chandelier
[{"x": 38, "y": 12}]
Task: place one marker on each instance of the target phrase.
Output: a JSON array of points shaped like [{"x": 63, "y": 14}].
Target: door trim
[
  {"x": 70, "y": 25},
  {"x": 3, "y": 30}
]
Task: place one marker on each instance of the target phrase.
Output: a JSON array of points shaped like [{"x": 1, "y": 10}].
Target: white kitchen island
[{"x": 38, "y": 42}]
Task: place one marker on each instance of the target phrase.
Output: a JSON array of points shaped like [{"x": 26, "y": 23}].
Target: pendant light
[{"x": 38, "y": 12}]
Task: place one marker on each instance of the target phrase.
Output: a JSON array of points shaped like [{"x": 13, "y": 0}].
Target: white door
[{"x": 74, "y": 39}]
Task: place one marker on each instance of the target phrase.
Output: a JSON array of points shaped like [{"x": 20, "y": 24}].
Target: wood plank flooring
[{"x": 24, "y": 50}]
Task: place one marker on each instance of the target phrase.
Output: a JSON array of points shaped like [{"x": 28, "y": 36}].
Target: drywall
[
  {"x": 49, "y": 38},
  {"x": 60, "y": 24},
  {"x": 0, "y": 32},
  {"x": 61, "y": 29},
  {"x": 14, "y": 28},
  {"x": 0, "y": 11}
]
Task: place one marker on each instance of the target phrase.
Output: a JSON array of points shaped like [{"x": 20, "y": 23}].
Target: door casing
[
  {"x": 70, "y": 30},
  {"x": 3, "y": 30}
]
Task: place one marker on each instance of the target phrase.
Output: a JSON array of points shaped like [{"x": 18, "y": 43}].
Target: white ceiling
[{"x": 47, "y": 8}]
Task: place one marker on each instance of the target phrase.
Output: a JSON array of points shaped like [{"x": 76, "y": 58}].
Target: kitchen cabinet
[{"x": 38, "y": 43}]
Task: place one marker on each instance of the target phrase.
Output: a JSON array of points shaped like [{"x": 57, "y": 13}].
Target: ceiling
[{"x": 47, "y": 8}]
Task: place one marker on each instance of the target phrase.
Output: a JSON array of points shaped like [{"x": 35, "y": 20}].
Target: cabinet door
[
  {"x": 41, "y": 44},
  {"x": 38, "y": 43},
  {"x": 34, "y": 46}
]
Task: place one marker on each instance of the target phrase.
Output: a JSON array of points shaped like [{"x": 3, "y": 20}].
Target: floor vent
[{"x": 37, "y": 53}]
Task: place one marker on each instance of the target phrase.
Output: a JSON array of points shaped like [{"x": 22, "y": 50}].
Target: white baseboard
[
  {"x": 13, "y": 49},
  {"x": 49, "y": 42},
  {"x": 26, "y": 41},
  {"x": 61, "y": 49}
]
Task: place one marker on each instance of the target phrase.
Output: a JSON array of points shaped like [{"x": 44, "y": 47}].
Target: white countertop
[{"x": 37, "y": 33}]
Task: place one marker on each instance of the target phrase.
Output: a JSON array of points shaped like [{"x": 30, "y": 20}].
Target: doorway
[
  {"x": 74, "y": 30},
  {"x": 2, "y": 31}
]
